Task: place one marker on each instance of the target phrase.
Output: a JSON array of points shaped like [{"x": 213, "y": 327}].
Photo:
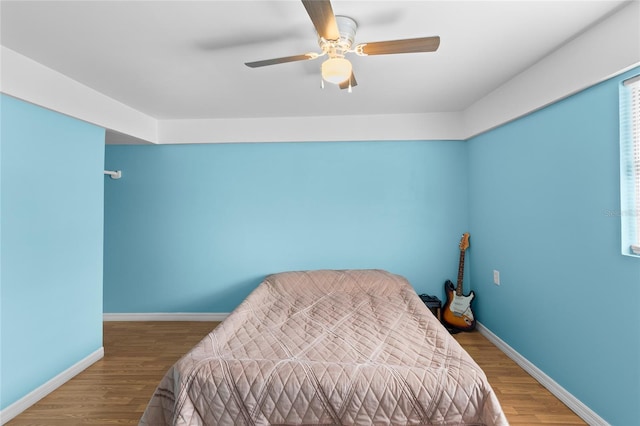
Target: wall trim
[
  {"x": 166, "y": 316},
  {"x": 45, "y": 389},
  {"x": 577, "y": 406},
  {"x": 572, "y": 68},
  {"x": 374, "y": 127},
  {"x": 28, "y": 80}
]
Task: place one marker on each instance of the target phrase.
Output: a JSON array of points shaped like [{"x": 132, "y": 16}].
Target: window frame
[{"x": 630, "y": 165}]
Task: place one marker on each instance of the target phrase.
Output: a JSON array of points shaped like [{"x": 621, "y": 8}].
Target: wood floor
[
  {"x": 116, "y": 389},
  {"x": 523, "y": 399}
]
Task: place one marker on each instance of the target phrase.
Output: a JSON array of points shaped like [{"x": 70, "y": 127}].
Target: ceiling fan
[{"x": 336, "y": 35}]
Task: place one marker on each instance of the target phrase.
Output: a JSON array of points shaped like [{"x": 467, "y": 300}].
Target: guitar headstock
[{"x": 464, "y": 241}]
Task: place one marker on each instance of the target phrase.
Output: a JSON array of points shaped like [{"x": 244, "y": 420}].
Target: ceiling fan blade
[
  {"x": 351, "y": 82},
  {"x": 410, "y": 45},
  {"x": 321, "y": 14},
  {"x": 282, "y": 60}
]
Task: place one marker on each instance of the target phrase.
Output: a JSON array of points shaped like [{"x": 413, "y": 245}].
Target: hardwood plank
[
  {"x": 523, "y": 399},
  {"x": 116, "y": 389}
]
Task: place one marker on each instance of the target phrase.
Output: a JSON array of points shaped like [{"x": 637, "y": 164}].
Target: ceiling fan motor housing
[{"x": 337, "y": 48}]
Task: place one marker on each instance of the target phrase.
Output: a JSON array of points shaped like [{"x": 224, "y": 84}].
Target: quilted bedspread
[{"x": 353, "y": 347}]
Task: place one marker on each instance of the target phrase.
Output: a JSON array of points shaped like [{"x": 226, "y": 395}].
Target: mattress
[{"x": 351, "y": 347}]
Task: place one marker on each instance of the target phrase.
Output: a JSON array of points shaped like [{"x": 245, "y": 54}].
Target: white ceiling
[{"x": 185, "y": 59}]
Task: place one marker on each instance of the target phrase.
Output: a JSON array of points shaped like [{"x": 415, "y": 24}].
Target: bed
[{"x": 350, "y": 347}]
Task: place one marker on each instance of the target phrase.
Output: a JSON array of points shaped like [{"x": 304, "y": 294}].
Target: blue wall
[
  {"x": 541, "y": 192},
  {"x": 52, "y": 245},
  {"x": 194, "y": 228}
]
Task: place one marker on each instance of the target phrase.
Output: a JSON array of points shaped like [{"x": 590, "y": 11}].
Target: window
[{"x": 630, "y": 165}]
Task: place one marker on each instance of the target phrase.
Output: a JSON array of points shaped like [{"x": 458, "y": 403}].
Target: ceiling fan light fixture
[{"x": 336, "y": 70}]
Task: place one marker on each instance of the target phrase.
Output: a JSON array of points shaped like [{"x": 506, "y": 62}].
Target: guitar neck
[{"x": 460, "y": 274}]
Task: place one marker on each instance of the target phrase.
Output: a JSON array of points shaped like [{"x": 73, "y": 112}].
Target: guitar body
[{"x": 457, "y": 312}]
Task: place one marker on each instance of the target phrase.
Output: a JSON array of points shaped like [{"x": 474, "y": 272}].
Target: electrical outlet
[{"x": 496, "y": 277}]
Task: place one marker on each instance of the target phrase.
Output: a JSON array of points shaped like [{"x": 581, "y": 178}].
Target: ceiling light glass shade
[{"x": 336, "y": 70}]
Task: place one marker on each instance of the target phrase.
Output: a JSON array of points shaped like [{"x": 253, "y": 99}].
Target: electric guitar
[{"x": 457, "y": 313}]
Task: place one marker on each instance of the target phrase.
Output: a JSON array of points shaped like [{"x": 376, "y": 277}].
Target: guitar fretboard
[{"x": 460, "y": 274}]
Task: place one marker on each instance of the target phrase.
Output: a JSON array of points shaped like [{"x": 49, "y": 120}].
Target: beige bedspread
[{"x": 354, "y": 347}]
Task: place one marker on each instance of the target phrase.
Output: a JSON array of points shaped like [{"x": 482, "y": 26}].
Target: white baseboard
[
  {"x": 40, "y": 392},
  {"x": 587, "y": 414},
  {"x": 180, "y": 316}
]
